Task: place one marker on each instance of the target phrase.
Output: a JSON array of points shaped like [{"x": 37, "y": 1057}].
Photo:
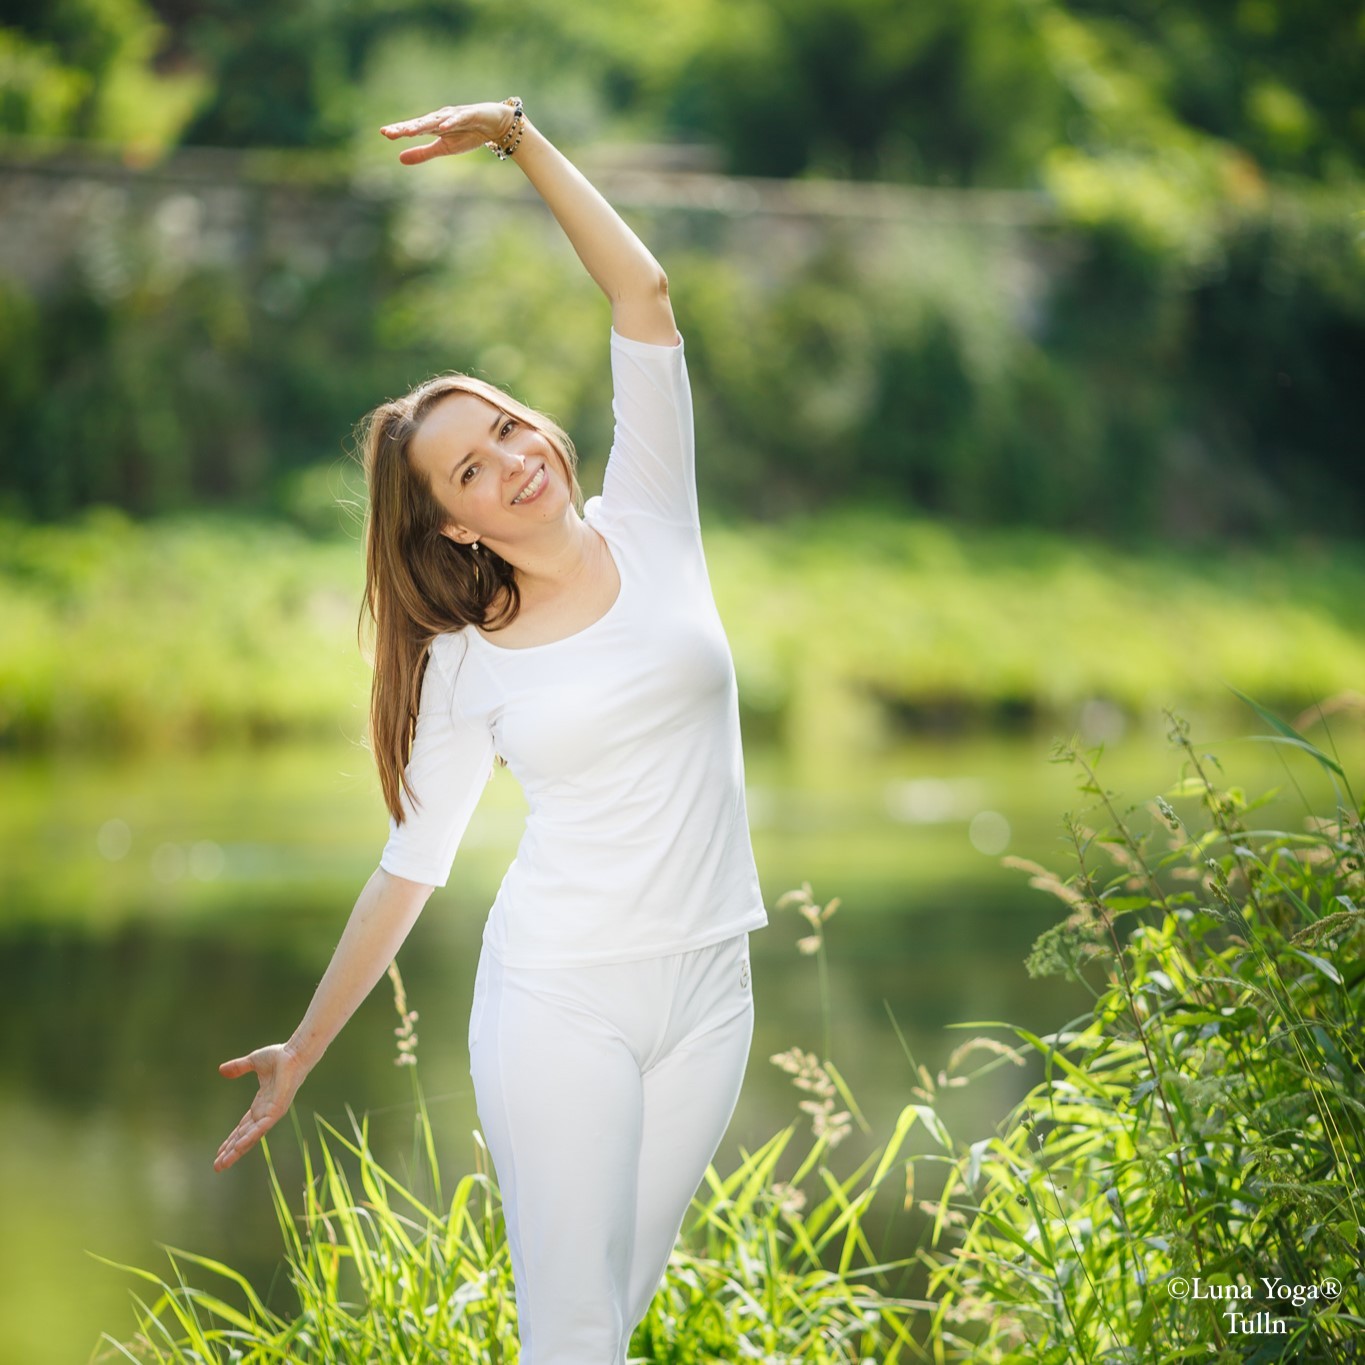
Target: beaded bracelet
[{"x": 500, "y": 148}]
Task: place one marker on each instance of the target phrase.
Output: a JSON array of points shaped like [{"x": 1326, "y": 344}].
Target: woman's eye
[
  {"x": 507, "y": 426},
  {"x": 469, "y": 473}
]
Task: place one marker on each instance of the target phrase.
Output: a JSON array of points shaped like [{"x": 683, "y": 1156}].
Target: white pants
[{"x": 603, "y": 1093}]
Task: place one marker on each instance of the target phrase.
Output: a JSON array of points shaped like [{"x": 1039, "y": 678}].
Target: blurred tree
[
  {"x": 40, "y": 95},
  {"x": 1282, "y": 79},
  {"x": 1189, "y": 364},
  {"x": 282, "y": 75},
  {"x": 976, "y": 92},
  {"x": 59, "y": 53},
  {"x": 951, "y": 94},
  {"x": 92, "y": 69}
]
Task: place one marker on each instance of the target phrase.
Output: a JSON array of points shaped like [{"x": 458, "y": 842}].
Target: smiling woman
[
  {"x": 612, "y": 1012},
  {"x": 434, "y": 460}
]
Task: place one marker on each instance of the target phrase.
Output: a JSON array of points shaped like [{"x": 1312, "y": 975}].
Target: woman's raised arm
[{"x": 614, "y": 256}]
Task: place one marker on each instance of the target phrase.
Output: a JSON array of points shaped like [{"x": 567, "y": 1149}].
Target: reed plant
[
  {"x": 767, "y": 1269},
  {"x": 1182, "y": 1184},
  {"x": 1185, "y": 1181}
]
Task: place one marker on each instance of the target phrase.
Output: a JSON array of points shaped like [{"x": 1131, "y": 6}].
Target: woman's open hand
[
  {"x": 458, "y": 128},
  {"x": 280, "y": 1074}
]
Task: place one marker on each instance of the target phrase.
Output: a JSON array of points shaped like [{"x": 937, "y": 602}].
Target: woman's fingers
[
  {"x": 228, "y": 1152},
  {"x": 238, "y": 1066},
  {"x": 426, "y": 124},
  {"x": 458, "y": 128},
  {"x": 241, "y": 1140},
  {"x": 257, "y": 1121},
  {"x": 231, "y": 1147}
]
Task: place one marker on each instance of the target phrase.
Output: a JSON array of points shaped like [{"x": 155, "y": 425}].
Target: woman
[{"x": 612, "y": 1011}]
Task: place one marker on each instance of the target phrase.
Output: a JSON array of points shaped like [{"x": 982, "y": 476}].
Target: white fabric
[
  {"x": 624, "y": 737},
  {"x": 603, "y": 1093}
]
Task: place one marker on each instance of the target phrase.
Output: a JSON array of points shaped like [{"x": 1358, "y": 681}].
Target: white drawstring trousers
[{"x": 603, "y": 1093}]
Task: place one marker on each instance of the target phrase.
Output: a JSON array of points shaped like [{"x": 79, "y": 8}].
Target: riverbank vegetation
[
  {"x": 1194, "y": 1144},
  {"x": 197, "y": 629}
]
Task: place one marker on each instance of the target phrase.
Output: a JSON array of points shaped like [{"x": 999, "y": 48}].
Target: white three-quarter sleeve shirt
[{"x": 624, "y": 737}]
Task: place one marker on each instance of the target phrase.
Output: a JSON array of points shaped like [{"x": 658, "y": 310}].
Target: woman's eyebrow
[{"x": 492, "y": 430}]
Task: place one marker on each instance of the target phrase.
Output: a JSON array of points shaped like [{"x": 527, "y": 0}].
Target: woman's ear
[{"x": 459, "y": 534}]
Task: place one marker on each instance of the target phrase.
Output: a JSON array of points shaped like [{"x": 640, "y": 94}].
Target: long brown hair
[{"x": 419, "y": 583}]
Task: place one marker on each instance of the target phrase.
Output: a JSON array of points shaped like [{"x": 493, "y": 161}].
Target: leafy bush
[{"x": 1203, "y": 1126}]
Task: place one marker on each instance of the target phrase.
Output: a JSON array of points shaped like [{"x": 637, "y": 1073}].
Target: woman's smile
[{"x": 532, "y": 489}]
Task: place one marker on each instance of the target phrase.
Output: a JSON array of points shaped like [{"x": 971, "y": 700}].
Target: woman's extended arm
[
  {"x": 614, "y": 256},
  {"x": 384, "y": 912}
]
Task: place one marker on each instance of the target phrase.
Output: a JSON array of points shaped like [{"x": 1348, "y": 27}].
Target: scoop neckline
[{"x": 578, "y": 634}]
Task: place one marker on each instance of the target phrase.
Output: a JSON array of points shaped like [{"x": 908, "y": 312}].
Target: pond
[{"x": 164, "y": 913}]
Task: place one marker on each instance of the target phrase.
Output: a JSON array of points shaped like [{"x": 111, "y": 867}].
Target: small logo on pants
[{"x": 744, "y": 973}]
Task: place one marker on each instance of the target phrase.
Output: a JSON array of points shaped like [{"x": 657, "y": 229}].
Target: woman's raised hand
[
  {"x": 458, "y": 128},
  {"x": 280, "y": 1074}
]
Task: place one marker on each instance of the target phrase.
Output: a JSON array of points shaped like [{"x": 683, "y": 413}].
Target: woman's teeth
[{"x": 531, "y": 488}]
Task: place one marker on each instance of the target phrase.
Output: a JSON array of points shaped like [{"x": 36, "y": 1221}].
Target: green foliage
[
  {"x": 1175, "y": 354},
  {"x": 1160, "y": 371},
  {"x": 380, "y": 1271},
  {"x": 199, "y": 631},
  {"x": 88, "y": 68},
  {"x": 1204, "y": 1123},
  {"x": 195, "y": 629},
  {"x": 972, "y": 93},
  {"x": 375, "y": 1269},
  {"x": 40, "y": 95},
  {"x": 1201, "y": 1127},
  {"x": 286, "y": 75},
  {"x": 1279, "y": 79},
  {"x": 979, "y": 91},
  {"x": 871, "y": 89}
]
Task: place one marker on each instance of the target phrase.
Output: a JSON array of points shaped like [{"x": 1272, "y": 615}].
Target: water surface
[{"x": 163, "y": 914}]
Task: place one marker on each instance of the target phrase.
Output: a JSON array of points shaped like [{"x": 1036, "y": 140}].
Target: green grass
[
  {"x": 923, "y": 615},
  {"x": 122, "y": 634},
  {"x": 1202, "y": 1123},
  {"x": 194, "y": 629},
  {"x": 381, "y": 1271}
]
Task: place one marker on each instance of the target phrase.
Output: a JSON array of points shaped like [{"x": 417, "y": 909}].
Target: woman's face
[{"x": 498, "y": 479}]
